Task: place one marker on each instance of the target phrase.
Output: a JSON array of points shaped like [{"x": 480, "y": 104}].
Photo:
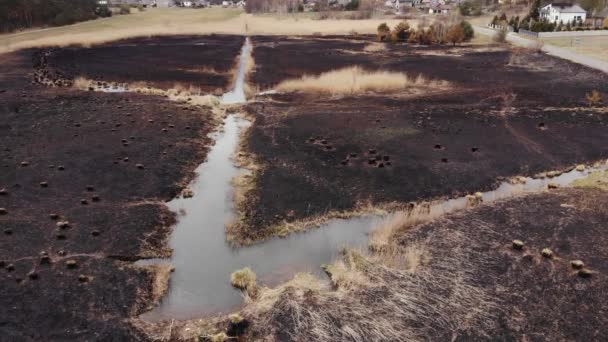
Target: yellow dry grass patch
[
  {"x": 267, "y": 297},
  {"x": 347, "y": 272},
  {"x": 595, "y": 180},
  {"x": 374, "y": 47},
  {"x": 352, "y": 80},
  {"x": 244, "y": 279},
  {"x": 179, "y": 93},
  {"x": 160, "y": 285},
  {"x": 175, "y": 21}
]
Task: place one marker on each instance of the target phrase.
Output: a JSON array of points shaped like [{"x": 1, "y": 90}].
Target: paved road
[{"x": 518, "y": 40}]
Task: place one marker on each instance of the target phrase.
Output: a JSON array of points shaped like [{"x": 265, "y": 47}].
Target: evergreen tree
[{"x": 535, "y": 10}]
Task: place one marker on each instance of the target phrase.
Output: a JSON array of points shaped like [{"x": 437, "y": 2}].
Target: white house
[
  {"x": 399, "y": 4},
  {"x": 564, "y": 12},
  {"x": 440, "y": 9}
]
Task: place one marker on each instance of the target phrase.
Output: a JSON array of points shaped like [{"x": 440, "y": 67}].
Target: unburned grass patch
[
  {"x": 353, "y": 80},
  {"x": 368, "y": 302},
  {"x": 374, "y": 47},
  {"x": 597, "y": 179}
]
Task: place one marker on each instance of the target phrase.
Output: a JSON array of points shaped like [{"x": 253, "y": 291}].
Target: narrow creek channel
[{"x": 203, "y": 260}]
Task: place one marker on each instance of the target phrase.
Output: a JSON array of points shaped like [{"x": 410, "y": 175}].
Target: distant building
[
  {"x": 440, "y": 9},
  {"x": 597, "y": 20},
  {"x": 400, "y": 4},
  {"x": 563, "y": 12}
]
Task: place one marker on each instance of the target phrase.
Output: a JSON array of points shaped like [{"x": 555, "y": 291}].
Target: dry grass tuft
[
  {"x": 352, "y": 80},
  {"x": 244, "y": 279},
  {"x": 268, "y": 297},
  {"x": 374, "y": 47},
  {"x": 597, "y": 179},
  {"x": 179, "y": 93},
  {"x": 161, "y": 272},
  {"x": 347, "y": 273},
  {"x": 594, "y": 98},
  {"x": 219, "y": 337}
]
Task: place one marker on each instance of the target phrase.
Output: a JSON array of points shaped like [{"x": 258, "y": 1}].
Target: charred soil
[
  {"x": 84, "y": 177},
  {"x": 506, "y": 113}
]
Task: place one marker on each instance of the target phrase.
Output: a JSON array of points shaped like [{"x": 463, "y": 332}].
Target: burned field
[
  {"x": 204, "y": 63},
  {"x": 84, "y": 179},
  {"x": 354, "y": 126},
  {"x": 504, "y": 113}
]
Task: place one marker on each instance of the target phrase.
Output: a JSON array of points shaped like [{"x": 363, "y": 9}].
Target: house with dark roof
[{"x": 563, "y": 12}]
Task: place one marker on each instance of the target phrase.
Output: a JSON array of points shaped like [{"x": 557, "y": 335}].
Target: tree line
[{"x": 23, "y": 14}]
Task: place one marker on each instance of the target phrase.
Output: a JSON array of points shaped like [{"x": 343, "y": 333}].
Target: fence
[{"x": 564, "y": 34}]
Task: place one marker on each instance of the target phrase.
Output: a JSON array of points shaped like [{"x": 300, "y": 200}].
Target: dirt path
[{"x": 518, "y": 40}]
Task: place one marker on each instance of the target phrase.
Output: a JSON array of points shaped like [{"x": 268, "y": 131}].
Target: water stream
[{"x": 203, "y": 260}]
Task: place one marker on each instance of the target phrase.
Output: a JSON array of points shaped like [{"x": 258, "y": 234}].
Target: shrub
[
  {"x": 500, "y": 36},
  {"x": 103, "y": 11},
  {"x": 455, "y": 34},
  {"x": 20, "y": 14},
  {"x": 124, "y": 9},
  {"x": 401, "y": 31},
  {"x": 516, "y": 23},
  {"x": 542, "y": 26},
  {"x": 243, "y": 279},
  {"x": 438, "y": 32},
  {"x": 219, "y": 337},
  {"x": 469, "y": 33},
  {"x": 353, "y": 5},
  {"x": 606, "y": 23},
  {"x": 140, "y": 7},
  {"x": 594, "y": 98},
  {"x": 384, "y": 32},
  {"x": 470, "y": 8}
]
